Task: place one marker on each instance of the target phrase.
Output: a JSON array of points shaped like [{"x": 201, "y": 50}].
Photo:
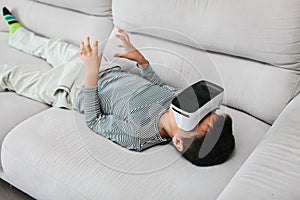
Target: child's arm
[{"x": 91, "y": 61}]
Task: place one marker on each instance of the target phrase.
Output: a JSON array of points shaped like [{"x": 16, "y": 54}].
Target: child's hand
[
  {"x": 91, "y": 61},
  {"x": 89, "y": 57},
  {"x": 131, "y": 52}
]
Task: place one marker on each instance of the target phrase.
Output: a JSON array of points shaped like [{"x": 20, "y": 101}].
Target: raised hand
[
  {"x": 91, "y": 61},
  {"x": 130, "y": 52},
  {"x": 90, "y": 57}
]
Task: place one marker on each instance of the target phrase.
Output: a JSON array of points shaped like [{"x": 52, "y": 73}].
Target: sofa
[{"x": 250, "y": 48}]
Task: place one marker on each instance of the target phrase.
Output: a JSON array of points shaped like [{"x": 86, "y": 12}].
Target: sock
[{"x": 10, "y": 20}]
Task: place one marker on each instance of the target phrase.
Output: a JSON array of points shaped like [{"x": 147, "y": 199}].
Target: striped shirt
[{"x": 126, "y": 108}]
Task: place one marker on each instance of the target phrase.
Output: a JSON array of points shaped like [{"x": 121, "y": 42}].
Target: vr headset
[{"x": 195, "y": 102}]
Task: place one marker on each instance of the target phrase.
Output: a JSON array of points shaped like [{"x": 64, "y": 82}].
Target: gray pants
[{"x": 57, "y": 86}]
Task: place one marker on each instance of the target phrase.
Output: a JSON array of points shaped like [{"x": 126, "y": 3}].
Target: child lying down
[{"x": 131, "y": 110}]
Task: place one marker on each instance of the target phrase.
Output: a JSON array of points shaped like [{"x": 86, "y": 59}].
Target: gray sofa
[{"x": 250, "y": 48}]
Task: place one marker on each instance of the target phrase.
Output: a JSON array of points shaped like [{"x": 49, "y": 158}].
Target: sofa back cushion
[
  {"x": 192, "y": 40},
  {"x": 71, "y": 21},
  {"x": 263, "y": 30}
]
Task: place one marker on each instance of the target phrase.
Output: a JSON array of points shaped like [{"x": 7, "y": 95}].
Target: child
[{"x": 131, "y": 110}]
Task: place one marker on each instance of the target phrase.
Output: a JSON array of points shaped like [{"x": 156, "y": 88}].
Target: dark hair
[{"x": 220, "y": 152}]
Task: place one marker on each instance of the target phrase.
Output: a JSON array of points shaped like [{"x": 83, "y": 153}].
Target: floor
[{"x": 8, "y": 192}]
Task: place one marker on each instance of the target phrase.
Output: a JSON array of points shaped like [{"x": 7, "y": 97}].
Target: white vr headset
[{"x": 195, "y": 102}]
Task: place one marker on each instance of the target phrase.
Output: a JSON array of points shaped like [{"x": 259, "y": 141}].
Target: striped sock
[{"x": 10, "y": 20}]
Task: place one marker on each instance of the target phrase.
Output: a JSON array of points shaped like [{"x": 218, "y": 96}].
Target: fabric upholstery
[
  {"x": 266, "y": 31},
  {"x": 14, "y": 110},
  {"x": 59, "y": 153},
  {"x": 272, "y": 171}
]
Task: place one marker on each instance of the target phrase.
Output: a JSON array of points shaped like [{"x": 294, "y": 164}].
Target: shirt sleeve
[
  {"x": 150, "y": 75},
  {"x": 109, "y": 126}
]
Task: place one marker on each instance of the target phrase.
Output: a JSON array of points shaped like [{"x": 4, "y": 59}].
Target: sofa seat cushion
[
  {"x": 15, "y": 109},
  {"x": 55, "y": 151}
]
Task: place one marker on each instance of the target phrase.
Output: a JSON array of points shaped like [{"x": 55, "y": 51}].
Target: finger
[
  {"x": 121, "y": 45},
  {"x": 100, "y": 56},
  {"x": 125, "y": 35},
  {"x": 121, "y": 37},
  {"x": 82, "y": 48},
  {"x": 95, "y": 51},
  {"x": 88, "y": 45}
]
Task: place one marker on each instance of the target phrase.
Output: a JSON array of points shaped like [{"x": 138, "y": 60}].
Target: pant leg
[
  {"x": 32, "y": 82},
  {"x": 52, "y": 86},
  {"x": 54, "y": 51}
]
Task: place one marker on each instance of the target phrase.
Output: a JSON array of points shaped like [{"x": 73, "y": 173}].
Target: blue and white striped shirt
[{"x": 126, "y": 108}]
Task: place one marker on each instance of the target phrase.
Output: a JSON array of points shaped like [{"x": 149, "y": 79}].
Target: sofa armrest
[{"x": 272, "y": 171}]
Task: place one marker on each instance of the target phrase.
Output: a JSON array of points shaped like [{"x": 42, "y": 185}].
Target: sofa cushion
[
  {"x": 273, "y": 169},
  {"x": 258, "y": 89},
  {"x": 14, "y": 109},
  {"x": 266, "y": 31},
  {"x": 54, "y": 22},
  {"x": 55, "y": 151}
]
